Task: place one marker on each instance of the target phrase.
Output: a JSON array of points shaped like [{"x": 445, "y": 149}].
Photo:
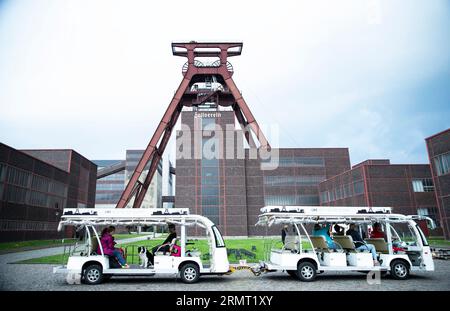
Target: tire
[
  {"x": 189, "y": 273},
  {"x": 93, "y": 274},
  {"x": 306, "y": 271},
  {"x": 399, "y": 270},
  {"x": 292, "y": 273}
]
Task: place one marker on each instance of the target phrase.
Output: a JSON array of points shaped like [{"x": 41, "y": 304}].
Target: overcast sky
[{"x": 97, "y": 76}]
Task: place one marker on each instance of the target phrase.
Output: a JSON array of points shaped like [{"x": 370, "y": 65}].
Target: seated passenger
[
  {"x": 361, "y": 245},
  {"x": 107, "y": 242},
  {"x": 165, "y": 246},
  {"x": 325, "y": 232},
  {"x": 284, "y": 232},
  {"x": 377, "y": 232}
]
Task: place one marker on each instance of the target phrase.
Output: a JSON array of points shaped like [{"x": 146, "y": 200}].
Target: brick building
[
  {"x": 407, "y": 188},
  {"x": 35, "y": 185},
  {"x": 439, "y": 153},
  {"x": 230, "y": 190}
]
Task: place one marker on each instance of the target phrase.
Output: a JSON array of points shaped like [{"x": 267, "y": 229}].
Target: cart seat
[
  {"x": 320, "y": 244},
  {"x": 380, "y": 245},
  {"x": 346, "y": 242},
  {"x": 291, "y": 242}
]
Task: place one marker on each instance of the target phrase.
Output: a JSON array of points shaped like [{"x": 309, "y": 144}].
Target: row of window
[
  {"x": 118, "y": 176},
  {"x": 20, "y": 225},
  {"x": 112, "y": 196},
  {"x": 210, "y": 177},
  {"x": 423, "y": 185},
  {"x": 298, "y": 161},
  {"x": 19, "y": 195},
  {"x": 310, "y": 180},
  {"x": 342, "y": 192},
  {"x": 110, "y": 186},
  {"x": 442, "y": 163},
  {"x": 291, "y": 200},
  {"x": 22, "y": 178}
]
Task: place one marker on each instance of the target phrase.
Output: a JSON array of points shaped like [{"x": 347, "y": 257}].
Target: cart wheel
[
  {"x": 292, "y": 273},
  {"x": 306, "y": 271},
  {"x": 399, "y": 270},
  {"x": 189, "y": 273},
  {"x": 93, "y": 274}
]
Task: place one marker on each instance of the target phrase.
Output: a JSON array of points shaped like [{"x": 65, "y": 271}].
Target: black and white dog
[{"x": 144, "y": 256}]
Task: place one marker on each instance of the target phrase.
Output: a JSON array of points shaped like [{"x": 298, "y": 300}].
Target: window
[
  {"x": 110, "y": 186},
  {"x": 1, "y": 191},
  {"x": 423, "y": 185},
  {"x": 442, "y": 163},
  {"x": 210, "y": 200},
  {"x": 2, "y": 171},
  {"x": 208, "y": 124},
  {"x": 324, "y": 197},
  {"x": 38, "y": 198},
  {"x": 39, "y": 183},
  {"x": 218, "y": 237},
  {"x": 15, "y": 194},
  {"x": 422, "y": 211},
  {"x": 210, "y": 172},
  {"x": 113, "y": 196},
  {"x": 214, "y": 190},
  {"x": 291, "y": 200},
  {"x": 300, "y": 161},
  {"x": 118, "y": 176},
  {"x": 417, "y": 185},
  {"x": 212, "y": 213},
  {"x": 308, "y": 180},
  {"x": 18, "y": 177},
  {"x": 359, "y": 187}
]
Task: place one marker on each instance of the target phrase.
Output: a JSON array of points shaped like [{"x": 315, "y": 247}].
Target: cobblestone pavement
[{"x": 40, "y": 277}]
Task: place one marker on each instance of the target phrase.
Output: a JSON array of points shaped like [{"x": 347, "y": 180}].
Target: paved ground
[{"x": 40, "y": 277}]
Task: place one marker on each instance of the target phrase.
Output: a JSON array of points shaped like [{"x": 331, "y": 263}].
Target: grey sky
[{"x": 97, "y": 76}]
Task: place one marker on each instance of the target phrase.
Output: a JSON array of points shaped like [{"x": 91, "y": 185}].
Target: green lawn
[
  {"x": 7, "y": 246},
  {"x": 53, "y": 260},
  {"x": 438, "y": 242}
]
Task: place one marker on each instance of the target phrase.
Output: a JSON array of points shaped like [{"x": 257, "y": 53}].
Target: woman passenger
[{"x": 107, "y": 242}]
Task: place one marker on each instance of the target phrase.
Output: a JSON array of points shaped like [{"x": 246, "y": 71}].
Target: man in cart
[
  {"x": 165, "y": 246},
  {"x": 360, "y": 244}
]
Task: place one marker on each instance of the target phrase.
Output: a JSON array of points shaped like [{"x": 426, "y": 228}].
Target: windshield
[
  {"x": 422, "y": 236},
  {"x": 218, "y": 237}
]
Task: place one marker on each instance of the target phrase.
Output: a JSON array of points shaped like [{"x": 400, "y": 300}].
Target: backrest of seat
[
  {"x": 291, "y": 242},
  {"x": 380, "y": 245},
  {"x": 94, "y": 245},
  {"x": 319, "y": 242},
  {"x": 345, "y": 241}
]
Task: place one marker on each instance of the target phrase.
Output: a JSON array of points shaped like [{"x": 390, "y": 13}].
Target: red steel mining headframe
[{"x": 194, "y": 71}]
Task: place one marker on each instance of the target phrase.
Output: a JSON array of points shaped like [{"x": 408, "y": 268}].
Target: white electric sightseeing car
[
  {"x": 303, "y": 255},
  {"x": 85, "y": 263}
]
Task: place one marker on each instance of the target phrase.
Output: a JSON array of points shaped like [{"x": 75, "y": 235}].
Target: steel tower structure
[{"x": 194, "y": 71}]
